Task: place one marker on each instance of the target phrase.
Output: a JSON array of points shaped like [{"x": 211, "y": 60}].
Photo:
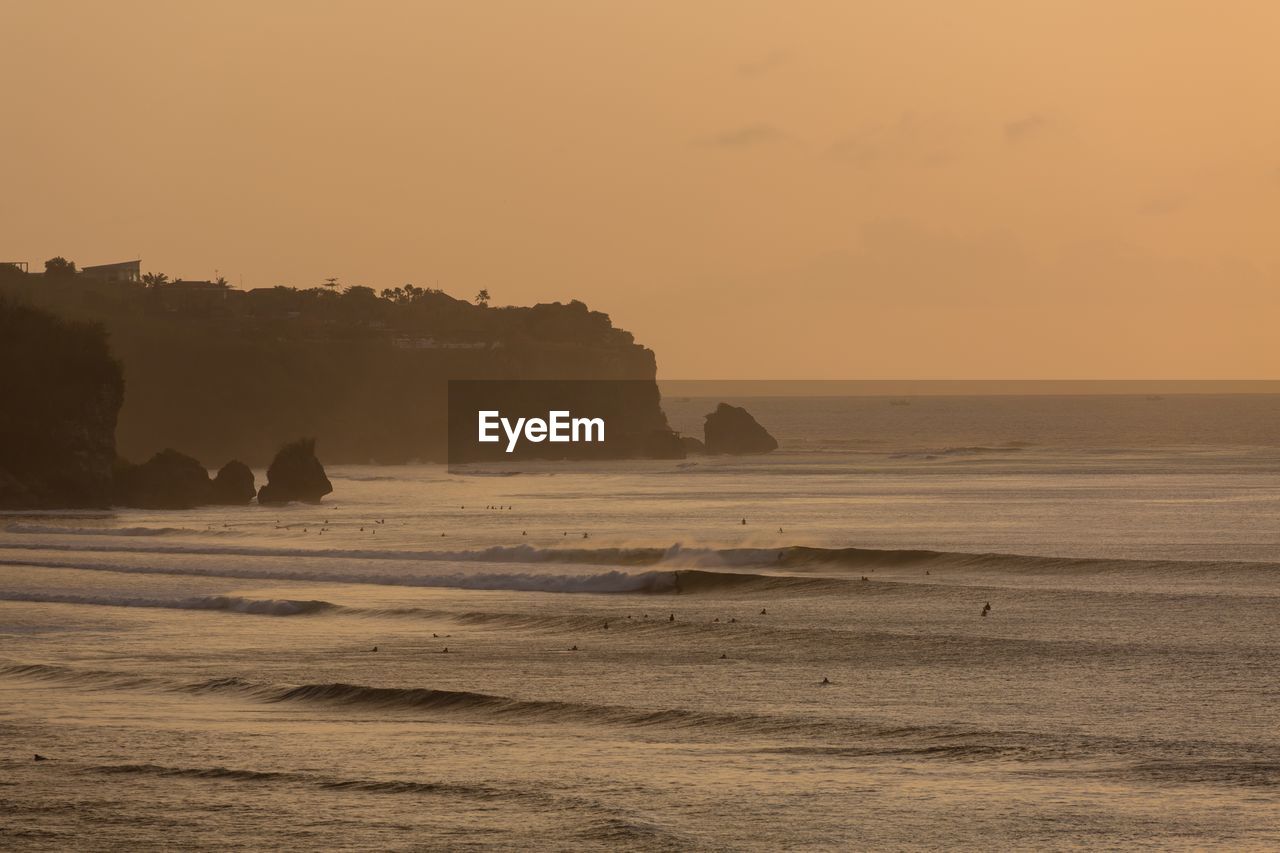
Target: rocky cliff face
[
  {"x": 367, "y": 375},
  {"x": 60, "y": 392}
]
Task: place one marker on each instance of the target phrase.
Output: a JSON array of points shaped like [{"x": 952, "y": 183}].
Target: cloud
[
  {"x": 764, "y": 64},
  {"x": 1163, "y": 205},
  {"x": 1027, "y": 128},
  {"x": 902, "y": 264},
  {"x": 909, "y": 140},
  {"x": 748, "y": 136}
]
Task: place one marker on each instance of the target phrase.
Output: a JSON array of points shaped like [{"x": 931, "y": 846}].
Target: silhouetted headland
[{"x": 224, "y": 373}]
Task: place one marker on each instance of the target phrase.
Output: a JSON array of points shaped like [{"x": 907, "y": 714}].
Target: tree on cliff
[
  {"x": 59, "y": 267},
  {"x": 155, "y": 279},
  {"x": 482, "y": 298}
]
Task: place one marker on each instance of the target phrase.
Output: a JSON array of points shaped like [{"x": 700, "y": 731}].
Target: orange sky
[{"x": 758, "y": 190}]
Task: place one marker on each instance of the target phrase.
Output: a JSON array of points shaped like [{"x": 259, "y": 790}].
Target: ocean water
[{"x": 631, "y": 666}]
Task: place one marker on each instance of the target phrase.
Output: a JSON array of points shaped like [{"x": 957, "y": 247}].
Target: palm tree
[
  {"x": 155, "y": 279},
  {"x": 482, "y": 298}
]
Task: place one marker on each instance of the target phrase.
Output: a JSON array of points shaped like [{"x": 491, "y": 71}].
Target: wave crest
[
  {"x": 229, "y": 603},
  {"x": 19, "y": 527}
]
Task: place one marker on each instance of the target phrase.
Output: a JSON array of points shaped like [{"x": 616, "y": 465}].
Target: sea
[{"x": 926, "y": 622}]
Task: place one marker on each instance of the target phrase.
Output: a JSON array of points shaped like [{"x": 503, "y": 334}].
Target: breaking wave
[
  {"x": 230, "y": 603},
  {"x": 19, "y": 527},
  {"x": 329, "y": 783},
  {"x": 679, "y": 556},
  {"x": 836, "y": 736},
  {"x": 81, "y": 677},
  {"x": 615, "y": 581},
  {"x": 1246, "y": 772}
]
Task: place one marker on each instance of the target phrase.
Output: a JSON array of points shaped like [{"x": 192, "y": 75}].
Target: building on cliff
[
  {"x": 185, "y": 293},
  {"x": 122, "y": 271}
]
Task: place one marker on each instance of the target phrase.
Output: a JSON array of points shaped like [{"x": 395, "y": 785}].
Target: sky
[{"x": 757, "y": 190}]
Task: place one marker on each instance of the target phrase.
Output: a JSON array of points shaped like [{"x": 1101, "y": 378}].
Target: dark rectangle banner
[{"x": 581, "y": 419}]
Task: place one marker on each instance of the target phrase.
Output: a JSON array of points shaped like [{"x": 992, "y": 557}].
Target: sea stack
[
  {"x": 168, "y": 480},
  {"x": 732, "y": 430},
  {"x": 692, "y": 446},
  {"x": 295, "y": 475},
  {"x": 234, "y": 484}
]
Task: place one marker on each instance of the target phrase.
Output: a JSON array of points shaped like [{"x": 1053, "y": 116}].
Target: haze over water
[{"x": 211, "y": 673}]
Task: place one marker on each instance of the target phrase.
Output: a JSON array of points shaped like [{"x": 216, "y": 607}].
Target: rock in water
[
  {"x": 692, "y": 446},
  {"x": 295, "y": 475},
  {"x": 663, "y": 444},
  {"x": 168, "y": 480},
  {"x": 731, "y": 429},
  {"x": 234, "y": 484}
]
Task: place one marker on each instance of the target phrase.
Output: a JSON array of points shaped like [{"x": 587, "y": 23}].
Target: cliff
[
  {"x": 60, "y": 391},
  {"x": 223, "y": 373}
]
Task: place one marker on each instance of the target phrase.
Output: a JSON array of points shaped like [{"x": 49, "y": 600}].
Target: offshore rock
[
  {"x": 234, "y": 484},
  {"x": 732, "y": 430},
  {"x": 168, "y": 480},
  {"x": 295, "y": 475}
]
